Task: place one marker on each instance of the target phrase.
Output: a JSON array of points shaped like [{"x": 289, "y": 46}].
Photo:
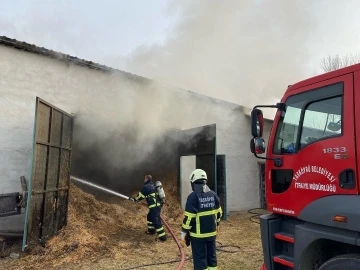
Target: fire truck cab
[{"x": 312, "y": 174}]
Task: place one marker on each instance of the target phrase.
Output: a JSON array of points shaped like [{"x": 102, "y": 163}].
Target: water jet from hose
[{"x": 99, "y": 187}]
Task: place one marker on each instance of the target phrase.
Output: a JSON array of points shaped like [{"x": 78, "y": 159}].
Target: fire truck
[{"x": 312, "y": 174}]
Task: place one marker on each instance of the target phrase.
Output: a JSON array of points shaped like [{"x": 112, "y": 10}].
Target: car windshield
[{"x": 321, "y": 119}]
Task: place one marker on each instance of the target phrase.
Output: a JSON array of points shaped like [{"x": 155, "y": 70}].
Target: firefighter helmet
[{"x": 197, "y": 175}]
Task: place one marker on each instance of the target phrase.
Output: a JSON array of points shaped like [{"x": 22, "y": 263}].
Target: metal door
[
  {"x": 221, "y": 182},
  {"x": 48, "y": 188},
  {"x": 199, "y": 142},
  {"x": 208, "y": 164}
]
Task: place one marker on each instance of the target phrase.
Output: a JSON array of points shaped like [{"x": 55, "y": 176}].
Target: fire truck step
[
  {"x": 283, "y": 236},
  {"x": 284, "y": 260}
]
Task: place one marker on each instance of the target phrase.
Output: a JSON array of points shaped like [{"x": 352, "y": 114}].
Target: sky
[
  {"x": 246, "y": 52},
  {"x": 87, "y": 28}
]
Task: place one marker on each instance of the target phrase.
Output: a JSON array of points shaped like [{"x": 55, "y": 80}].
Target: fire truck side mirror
[
  {"x": 257, "y": 123},
  {"x": 257, "y": 146}
]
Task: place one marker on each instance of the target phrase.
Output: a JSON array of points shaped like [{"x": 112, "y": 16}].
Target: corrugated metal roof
[{"x": 20, "y": 45}]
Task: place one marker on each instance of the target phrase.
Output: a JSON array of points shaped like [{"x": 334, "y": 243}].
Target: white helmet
[{"x": 198, "y": 174}]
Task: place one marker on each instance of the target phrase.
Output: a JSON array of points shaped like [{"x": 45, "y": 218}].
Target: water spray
[
  {"x": 99, "y": 187},
  {"x": 182, "y": 254}
]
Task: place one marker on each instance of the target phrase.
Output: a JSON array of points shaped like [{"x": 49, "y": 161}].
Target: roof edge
[
  {"x": 24, "y": 46},
  {"x": 21, "y": 45}
]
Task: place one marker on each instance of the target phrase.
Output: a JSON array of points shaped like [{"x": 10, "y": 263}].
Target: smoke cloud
[
  {"x": 240, "y": 51},
  {"x": 130, "y": 131},
  {"x": 244, "y": 52}
]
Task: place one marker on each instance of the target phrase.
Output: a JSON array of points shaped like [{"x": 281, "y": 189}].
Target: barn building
[{"x": 113, "y": 110}]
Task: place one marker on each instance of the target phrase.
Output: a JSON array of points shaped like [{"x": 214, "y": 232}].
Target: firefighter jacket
[
  {"x": 148, "y": 192},
  {"x": 202, "y": 212}
]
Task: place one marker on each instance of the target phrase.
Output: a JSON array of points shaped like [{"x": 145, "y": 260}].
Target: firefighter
[
  {"x": 201, "y": 222},
  {"x": 148, "y": 192}
]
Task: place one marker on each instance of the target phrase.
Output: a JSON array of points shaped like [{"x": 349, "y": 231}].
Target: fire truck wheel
[{"x": 347, "y": 261}]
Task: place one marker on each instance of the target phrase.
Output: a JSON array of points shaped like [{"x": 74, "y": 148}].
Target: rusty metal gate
[{"x": 48, "y": 188}]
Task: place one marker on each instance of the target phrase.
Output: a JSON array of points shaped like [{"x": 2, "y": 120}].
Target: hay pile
[
  {"x": 98, "y": 230},
  {"x": 111, "y": 235}
]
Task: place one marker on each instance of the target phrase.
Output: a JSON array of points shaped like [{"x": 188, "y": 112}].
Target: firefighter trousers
[
  {"x": 204, "y": 253},
  {"x": 154, "y": 223}
]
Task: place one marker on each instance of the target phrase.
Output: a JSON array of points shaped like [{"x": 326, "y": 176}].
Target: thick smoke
[
  {"x": 245, "y": 52},
  {"x": 242, "y": 51},
  {"x": 121, "y": 165},
  {"x": 131, "y": 130}
]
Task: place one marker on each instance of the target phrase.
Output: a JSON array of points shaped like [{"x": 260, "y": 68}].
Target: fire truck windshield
[{"x": 321, "y": 119}]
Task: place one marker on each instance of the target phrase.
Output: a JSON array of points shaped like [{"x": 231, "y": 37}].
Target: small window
[
  {"x": 322, "y": 119},
  {"x": 287, "y": 132}
]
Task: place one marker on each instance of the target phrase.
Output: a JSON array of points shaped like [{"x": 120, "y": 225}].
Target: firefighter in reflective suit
[
  {"x": 201, "y": 221},
  {"x": 154, "y": 224}
]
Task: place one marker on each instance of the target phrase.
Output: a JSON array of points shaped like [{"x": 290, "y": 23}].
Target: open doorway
[{"x": 198, "y": 151}]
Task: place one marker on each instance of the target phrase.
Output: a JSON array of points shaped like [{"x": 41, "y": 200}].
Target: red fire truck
[{"x": 311, "y": 171}]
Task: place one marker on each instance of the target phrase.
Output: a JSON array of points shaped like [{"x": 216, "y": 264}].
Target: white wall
[
  {"x": 187, "y": 165},
  {"x": 233, "y": 140},
  {"x": 84, "y": 91},
  {"x": 95, "y": 97}
]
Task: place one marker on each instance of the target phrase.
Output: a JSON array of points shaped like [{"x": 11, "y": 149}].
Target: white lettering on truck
[
  {"x": 314, "y": 169},
  {"x": 312, "y": 185}
]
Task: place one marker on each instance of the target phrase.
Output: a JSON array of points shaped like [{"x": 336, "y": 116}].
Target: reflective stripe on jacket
[
  {"x": 148, "y": 193},
  {"x": 202, "y": 213}
]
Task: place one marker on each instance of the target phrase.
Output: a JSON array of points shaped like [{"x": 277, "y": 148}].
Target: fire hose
[
  {"x": 220, "y": 247},
  {"x": 182, "y": 261},
  {"x": 181, "y": 264}
]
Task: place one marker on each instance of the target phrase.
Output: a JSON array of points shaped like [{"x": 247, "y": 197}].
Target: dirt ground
[{"x": 112, "y": 236}]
